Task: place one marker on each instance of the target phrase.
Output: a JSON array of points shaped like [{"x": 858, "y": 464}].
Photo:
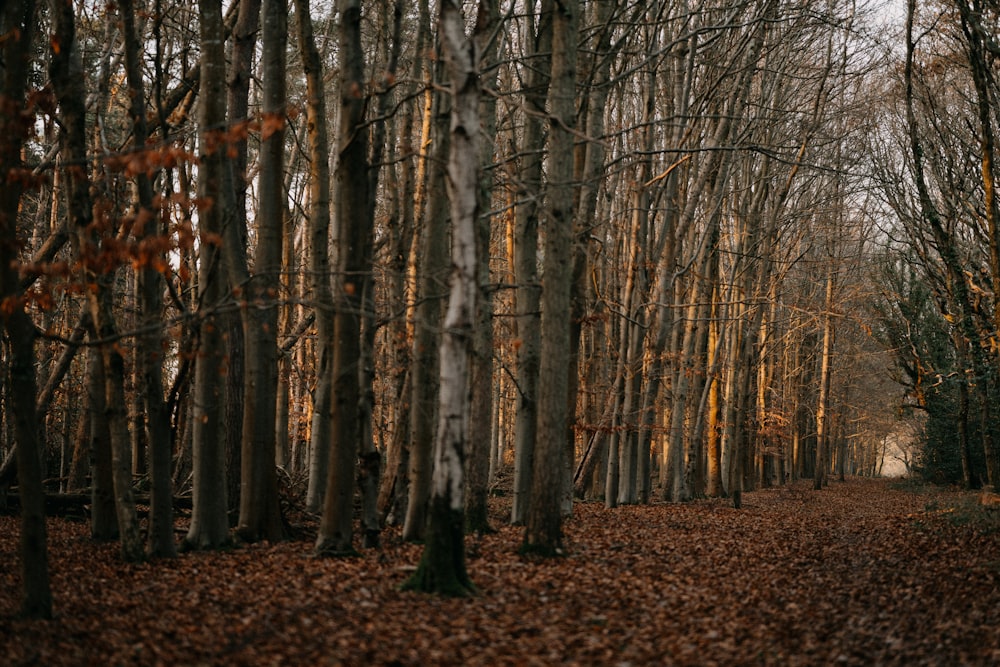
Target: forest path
[{"x": 861, "y": 573}]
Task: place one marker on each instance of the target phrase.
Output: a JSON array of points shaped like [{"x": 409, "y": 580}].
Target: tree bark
[
  {"x": 528, "y": 296},
  {"x": 431, "y": 270},
  {"x": 482, "y": 380},
  {"x": 354, "y": 234},
  {"x": 150, "y": 288},
  {"x": 442, "y": 566},
  {"x": 67, "y": 80},
  {"x": 543, "y": 531},
  {"x": 260, "y": 512},
  {"x": 319, "y": 257},
  {"x": 209, "y": 521},
  {"x": 17, "y": 22},
  {"x": 238, "y": 78}
]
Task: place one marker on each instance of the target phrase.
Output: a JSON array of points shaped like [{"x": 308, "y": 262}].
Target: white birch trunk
[{"x": 442, "y": 566}]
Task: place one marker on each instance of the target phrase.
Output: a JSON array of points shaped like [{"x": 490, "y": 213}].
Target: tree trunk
[
  {"x": 442, "y": 566},
  {"x": 543, "y": 532},
  {"x": 982, "y": 76},
  {"x": 17, "y": 22},
  {"x": 823, "y": 404},
  {"x": 150, "y": 288},
  {"x": 431, "y": 267},
  {"x": 394, "y": 491},
  {"x": 354, "y": 233},
  {"x": 103, "y": 524},
  {"x": 528, "y": 297},
  {"x": 319, "y": 258},
  {"x": 238, "y": 78},
  {"x": 482, "y": 380},
  {"x": 67, "y": 80},
  {"x": 260, "y": 512},
  {"x": 209, "y": 521}
]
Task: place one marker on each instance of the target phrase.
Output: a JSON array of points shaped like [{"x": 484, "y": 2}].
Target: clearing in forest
[{"x": 864, "y": 572}]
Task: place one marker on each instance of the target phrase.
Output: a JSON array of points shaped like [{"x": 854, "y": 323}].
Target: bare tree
[
  {"x": 17, "y": 20},
  {"x": 209, "y": 522},
  {"x": 543, "y": 530},
  {"x": 442, "y": 565}
]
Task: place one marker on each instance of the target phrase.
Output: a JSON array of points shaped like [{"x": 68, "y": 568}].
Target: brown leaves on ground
[{"x": 857, "y": 574}]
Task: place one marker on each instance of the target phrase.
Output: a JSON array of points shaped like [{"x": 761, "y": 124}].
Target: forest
[{"x": 386, "y": 276}]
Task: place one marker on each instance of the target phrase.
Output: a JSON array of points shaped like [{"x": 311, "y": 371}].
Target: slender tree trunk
[
  {"x": 394, "y": 489},
  {"x": 482, "y": 380},
  {"x": 103, "y": 524},
  {"x": 713, "y": 482},
  {"x": 260, "y": 512},
  {"x": 354, "y": 234},
  {"x": 319, "y": 258},
  {"x": 823, "y": 404},
  {"x": 67, "y": 80},
  {"x": 543, "y": 531},
  {"x": 209, "y": 521},
  {"x": 150, "y": 288},
  {"x": 244, "y": 44},
  {"x": 527, "y": 305},
  {"x": 431, "y": 268},
  {"x": 442, "y": 566},
  {"x": 17, "y": 22}
]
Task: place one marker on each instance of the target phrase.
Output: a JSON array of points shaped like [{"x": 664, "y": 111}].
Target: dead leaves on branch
[{"x": 859, "y": 573}]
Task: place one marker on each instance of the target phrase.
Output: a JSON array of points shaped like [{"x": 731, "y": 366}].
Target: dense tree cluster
[
  {"x": 934, "y": 171},
  {"x": 391, "y": 254}
]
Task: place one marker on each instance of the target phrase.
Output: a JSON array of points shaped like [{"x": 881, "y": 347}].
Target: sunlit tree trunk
[
  {"x": 713, "y": 450},
  {"x": 319, "y": 253},
  {"x": 823, "y": 404}
]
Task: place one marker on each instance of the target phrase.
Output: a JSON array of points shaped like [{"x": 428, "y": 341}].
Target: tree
[
  {"x": 536, "y": 88},
  {"x": 150, "y": 287},
  {"x": 482, "y": 382},
  {"x": 260, "y": 513},
  {"x": 209, "y": 523},
  {"x": 237, "y": 108},
  {"x": 98, "y": 262},
  {"x": 319, "y": 258},
  {"x": 354, "y": 235},
  {"x": 543, "y": 531},
  {"x": 432, "y": 266},
  {"x": 17, "y": 21},
  {"x": 442, "y": 565}
]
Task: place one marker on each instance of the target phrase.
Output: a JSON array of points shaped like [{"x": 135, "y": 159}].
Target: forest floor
[{"x": 861, "y": 573}]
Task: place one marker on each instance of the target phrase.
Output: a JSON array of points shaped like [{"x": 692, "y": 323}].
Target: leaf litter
[{"x": 860, "y": 573}]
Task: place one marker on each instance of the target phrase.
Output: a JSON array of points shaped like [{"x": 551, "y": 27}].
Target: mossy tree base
[{"x": 442, "y": 568}]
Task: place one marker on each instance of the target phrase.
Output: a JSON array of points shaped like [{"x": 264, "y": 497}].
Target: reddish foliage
[{"x": 859, "y": 573}]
